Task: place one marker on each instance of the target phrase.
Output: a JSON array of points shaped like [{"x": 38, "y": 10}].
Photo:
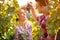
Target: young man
[{"x": 41, "y": 19}]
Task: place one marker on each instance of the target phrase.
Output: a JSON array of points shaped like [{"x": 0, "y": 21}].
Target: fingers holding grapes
[{"x": 30, "y": 4}]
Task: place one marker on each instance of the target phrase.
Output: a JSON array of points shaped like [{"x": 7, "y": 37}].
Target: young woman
[
  {"x": 23, "y": 31},
  {"x": 42, "y": 6}
]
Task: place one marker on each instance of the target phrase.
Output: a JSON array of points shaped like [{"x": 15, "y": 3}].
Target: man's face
[{"x": 40, "y": 8}]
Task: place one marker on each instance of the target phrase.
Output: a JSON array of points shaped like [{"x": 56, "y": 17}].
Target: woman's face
[{"x": 22, "y": 15}]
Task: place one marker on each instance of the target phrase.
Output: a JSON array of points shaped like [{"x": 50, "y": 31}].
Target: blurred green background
[{"x": 8, "y": 15}]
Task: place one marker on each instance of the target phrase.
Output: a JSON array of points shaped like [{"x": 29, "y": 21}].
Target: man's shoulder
[{"x": 40, "y": 14}]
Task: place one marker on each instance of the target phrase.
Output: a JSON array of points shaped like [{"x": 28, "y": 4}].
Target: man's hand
[{"x": 30, "y": 4}]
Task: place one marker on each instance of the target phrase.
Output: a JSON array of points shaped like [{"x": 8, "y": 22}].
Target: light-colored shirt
[{"x": 26, "y": 30}]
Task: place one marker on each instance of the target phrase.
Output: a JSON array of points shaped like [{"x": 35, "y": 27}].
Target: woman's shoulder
[
  {"x": 29, "y": 23},
  {"x": 17, "y": 26}
]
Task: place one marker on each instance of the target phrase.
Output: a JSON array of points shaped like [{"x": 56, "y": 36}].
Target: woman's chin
[{"x": 23, "y": 19}]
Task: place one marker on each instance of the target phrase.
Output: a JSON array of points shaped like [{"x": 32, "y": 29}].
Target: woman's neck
[{"x": 23, "y": 22}]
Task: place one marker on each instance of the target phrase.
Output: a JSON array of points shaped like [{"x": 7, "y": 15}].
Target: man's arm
[{"x": 33, "y": 10}]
